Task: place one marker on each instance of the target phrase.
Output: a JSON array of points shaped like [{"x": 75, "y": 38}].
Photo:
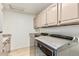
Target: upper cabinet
[
  {"x": 34, "y": 22},
  {"x": 68, "y": 13},
  {"x": 37, "y": 21},
  {"x": 59, "y": 14},
  {"x": 47, "y": 17},
  {"x": 52, "y": 15},
  {"x": 40, "y": 19},
  {"x": 42, "y": 16}
]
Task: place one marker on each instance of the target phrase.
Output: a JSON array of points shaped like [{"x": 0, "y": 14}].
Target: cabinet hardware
[{"x": 59, "y": 21}]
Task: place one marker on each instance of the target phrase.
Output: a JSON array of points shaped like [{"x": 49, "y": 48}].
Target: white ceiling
[{"x": 31, "y": 8}]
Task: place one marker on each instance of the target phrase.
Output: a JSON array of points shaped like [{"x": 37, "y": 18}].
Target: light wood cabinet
[
  {"x": 43, "y": 18},
  {"x": 37, "y": 21},
  {"x": 58, "y": 14},
  {"x": 40, "y": 19},
  {"x": 68, "y": 13},
  {"x": 47, "y": 17},
  {"x": 52, "y": 15}
]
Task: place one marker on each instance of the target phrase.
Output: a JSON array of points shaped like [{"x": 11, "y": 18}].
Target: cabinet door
[
  {"x": 68, "y": 13},
  {"x": 37, "y": 21},
  {"x": 42, "y": 19},
  {"x": 52, "y": 15}
]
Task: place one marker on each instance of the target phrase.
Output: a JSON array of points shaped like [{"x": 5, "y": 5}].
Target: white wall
[
  {"x": 72, "y": 30},
  {"x": 19, "y": 25}
]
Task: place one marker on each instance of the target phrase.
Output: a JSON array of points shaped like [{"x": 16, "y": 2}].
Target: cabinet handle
[{"x": 59, "y": 21}]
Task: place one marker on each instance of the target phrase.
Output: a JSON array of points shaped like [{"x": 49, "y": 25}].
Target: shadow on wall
[{"x": 72, "y": 30}]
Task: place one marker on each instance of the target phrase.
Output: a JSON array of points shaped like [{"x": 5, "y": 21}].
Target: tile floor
[
  {"x": 27, "y": 52},
  {"x": 20, "y": 52},
  {"x": 73, "y": 51}
]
